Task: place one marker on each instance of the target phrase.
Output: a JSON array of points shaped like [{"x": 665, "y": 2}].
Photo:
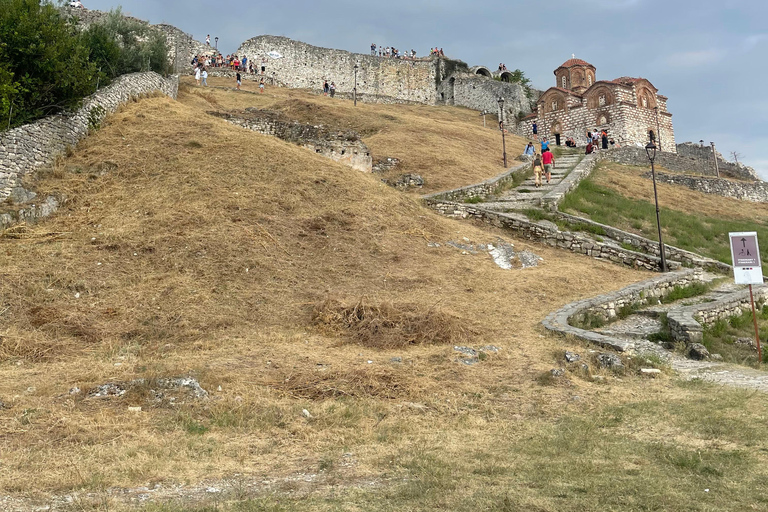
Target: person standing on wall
[{"x": 548, "y": 159}]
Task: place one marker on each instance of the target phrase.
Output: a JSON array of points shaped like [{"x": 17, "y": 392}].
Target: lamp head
[{"x": 650, "y": 150}]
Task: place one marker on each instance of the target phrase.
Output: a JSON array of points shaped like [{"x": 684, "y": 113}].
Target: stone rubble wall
[
  {"x": 689, "y": 158},
  {"x": 345, "y": 148},
  {"x": 481, "y": 93},
  {"x": 552, "y": 199},
  {"x": 755, "y": 192},
  {"x": 29, "y": 147},
  {"x": 608, "y": 305},
  {"x": 686, "y": 324},
  {"x": 547, "y": 233},
  {"x": 479, "y": 190}
]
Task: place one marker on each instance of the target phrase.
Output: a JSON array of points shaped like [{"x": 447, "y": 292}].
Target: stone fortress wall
[
  {"x": 430, "y": 81},
  {"x": 29, "y": 147}
]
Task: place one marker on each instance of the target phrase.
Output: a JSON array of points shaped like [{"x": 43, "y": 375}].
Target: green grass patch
[
  {"x": 720, "y": 337},
  {"x": 685, "y": 292},
  {"x": 704, "y": 235},
  {"x": 474, "y": 200}
]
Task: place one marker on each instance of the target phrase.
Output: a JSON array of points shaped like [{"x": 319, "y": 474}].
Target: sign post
[{"x": 747, "y": 269}]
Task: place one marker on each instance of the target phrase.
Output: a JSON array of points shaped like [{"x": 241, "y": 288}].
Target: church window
[
  {"x": 554, "y": 105},
  {"x": 589, "y": 78},
  {"x": 603, "y": 120},
  {"x": 645, "y": 101},
  {"x": 565, "y": 82},
  {"x": 601, "y": 100}
]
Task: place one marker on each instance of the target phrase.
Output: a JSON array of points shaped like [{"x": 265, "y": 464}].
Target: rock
[
  {"x": 610, "y": 361},
  {"x": 134, "y": 409},
  {"x": 110, "y": 389},
  {"x": 525, "y": 158},
  {"x": 466, "y": 350},
  {"x": 75, "y": 390},
  {"x": 306, "y": 413},
  {"x": 557, "y": 372},
  {"x": 717, "y": 357},
  {"x": 572, "y": 357},
  {"x": 745, "y": 341},
  {"x": 529, "y": 259},
  {"x": 406, "y": 181},
  {"x": 650, "y": 371},
  {"x": 490, "y": 348},
  {"x": 469, "y": 361},
  {"x": 697, "y": 351},
  {"x": 188, "y": 384},
  {"x": 396, "y": 360}
]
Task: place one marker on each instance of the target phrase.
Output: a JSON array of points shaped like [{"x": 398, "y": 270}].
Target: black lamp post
[
  {"x": 354, "y": 91},
  {"x": 217, "y": 42},
  {"x": 650, "y": 150},
  {"x": 501, "y": 126}
]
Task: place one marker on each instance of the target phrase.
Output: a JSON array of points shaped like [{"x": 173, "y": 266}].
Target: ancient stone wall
[
  {"x": 689, "y": 158},
  {"x": 28, "y": 147},
  {"x": 479, "y": 92},
  {"x": 345, "y": 148},
  {"x": 756, "y": 192},
  {"x": 300, "y": 65},
  {"x": 480, "y": 190}
]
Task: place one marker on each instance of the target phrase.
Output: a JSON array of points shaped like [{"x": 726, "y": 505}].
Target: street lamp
[
  {"x": 354, "y": 91},
  {"x": 501, "y": 126},
  {"x": 650, "y": 150},
  {"x": 217, "y": 42}
]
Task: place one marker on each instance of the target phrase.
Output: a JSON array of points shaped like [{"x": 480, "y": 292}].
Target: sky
[{"x": 707, "y": 56}]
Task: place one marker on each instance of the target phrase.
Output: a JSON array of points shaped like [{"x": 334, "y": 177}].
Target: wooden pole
[
  {"x": 757, "y": 332},
  {"x": 714, "y": 157}
]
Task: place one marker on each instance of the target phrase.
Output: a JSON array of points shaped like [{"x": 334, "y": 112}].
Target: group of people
[
  {"x": 77, "y": 4},
  {"x": 502, "y": 67},
  {"x": 595, "y": 138},
  {"x": 391, "y": 52},
  {"x": 436, "y": 52},
  {"x": 329, "y": 89},
  {"x": 542, "y": 162}
]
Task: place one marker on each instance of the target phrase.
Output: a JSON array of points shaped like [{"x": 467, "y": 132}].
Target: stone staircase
[{"x": 526, "y": 195}]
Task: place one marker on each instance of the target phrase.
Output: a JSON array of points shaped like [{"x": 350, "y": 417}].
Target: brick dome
[{"x": 575, "y": 62}]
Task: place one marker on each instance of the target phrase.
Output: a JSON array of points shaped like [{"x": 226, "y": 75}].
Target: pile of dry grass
[{"x": 388, "y": 325}]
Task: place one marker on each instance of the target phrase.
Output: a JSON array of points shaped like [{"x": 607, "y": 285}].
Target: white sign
[
  {"x": 274, "y": 55},
  {"x": 745, "y": 254}
]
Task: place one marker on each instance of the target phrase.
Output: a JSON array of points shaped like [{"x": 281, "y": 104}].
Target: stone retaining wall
[
  {"x": 479, "y": 190},
  {"x": 756, "y": 192},
  {"x": 343, "y": 147},
  {"x": 547, "y": 233},
  {"x": 689, "y": 158},
  {"x": 608, "y": 305},
  {"x": 686, "y": 324},
  {"x": 28, "y": 147}
]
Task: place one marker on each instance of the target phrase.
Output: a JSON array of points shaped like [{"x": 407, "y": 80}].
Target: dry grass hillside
[{"x": 286, "y": 284}]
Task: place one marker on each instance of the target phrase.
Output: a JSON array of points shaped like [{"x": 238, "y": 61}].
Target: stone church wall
[{"x": 29, "y": 147}]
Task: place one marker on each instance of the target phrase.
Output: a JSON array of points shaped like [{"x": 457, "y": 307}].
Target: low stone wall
[
  {"x": 608, "y": 305},
  {"x": 686, "y": 160},
  {"x": 479, "y": 190},
  {"x": 554, "y": 197},
  {"x": 756, "y": 192},
  {"x": 686, "y": 324},
  {"x": 30, "y": 213},
  {"x": 547, "y": 233},
  {"x": 342, "y": 147},
  {"x": 28, "y": 147},
  {"x": 651, "y": 246}
]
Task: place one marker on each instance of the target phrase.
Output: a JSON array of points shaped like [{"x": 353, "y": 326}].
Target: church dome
[{"x": 575, "y": 62}]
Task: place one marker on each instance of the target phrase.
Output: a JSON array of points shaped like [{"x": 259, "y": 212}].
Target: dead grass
[
  {"x": 207, "y": 259},
  {"x": 388, "y": 325}
]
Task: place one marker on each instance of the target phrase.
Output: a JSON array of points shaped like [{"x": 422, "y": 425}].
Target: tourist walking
[
  {"x": 261, "y": 86},
  {"x": 537, "y": 169},
  {"x": 535, "y": 130},
  {"x": 197, "y": 75},
  {"x": 205, "y": 77},
  {"x": 548, "y": 159},
  {"x": 333, "y": 89},
  {"x": 544, "y": 145},
  {"x": 529, "y": 149},
  {"x": 239, "y": 81}
]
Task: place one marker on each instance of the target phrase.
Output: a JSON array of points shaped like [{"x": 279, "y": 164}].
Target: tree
[{"x": 44, "y": 66}]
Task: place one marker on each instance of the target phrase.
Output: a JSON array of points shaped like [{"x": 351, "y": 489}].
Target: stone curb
[{"x": 481, "y": 189}]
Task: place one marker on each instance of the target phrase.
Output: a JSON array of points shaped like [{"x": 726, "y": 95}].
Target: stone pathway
[{"x": 527, "y": 195}]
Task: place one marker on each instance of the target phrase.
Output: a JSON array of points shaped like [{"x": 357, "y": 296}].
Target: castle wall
[
  {"x": 26, "y": 148},
  {"x": 305, "y": 66},
  {"x": 481, "y": 93},
  {"x": 755, "y": 192}
]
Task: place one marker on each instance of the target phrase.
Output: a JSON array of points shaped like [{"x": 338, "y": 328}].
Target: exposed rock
[
  {"x": 490, "y": 348},
  {"x": 385, "y": 164},
  {"x": 650, "y": 371},
  {"x": 572, "y": 357},
  {"x": 529, "y": 259},
  {"x": 187, "y": 384},
  {"x": 716, "y": 357},
  {"x": 466, "y": 350},
  {"x": 405, "y": 181},
  {"x": 525, "y": 158},
  {"x": 697, "y": 351},
  {"x": 557, "y": 372},
  {"x": 745, "y": 341},
  {"x": 396, "y": 360},
  {"x": 111, "y": 389},
  {"x": 610, "y": 361}
]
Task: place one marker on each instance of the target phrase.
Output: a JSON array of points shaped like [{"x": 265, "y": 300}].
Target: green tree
[{"x": 44, "y": 66}]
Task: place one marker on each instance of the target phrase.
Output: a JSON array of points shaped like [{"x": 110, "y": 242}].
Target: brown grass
[
  {"x": 207, "y": 259},
  {"x": 388, "y": 325}
]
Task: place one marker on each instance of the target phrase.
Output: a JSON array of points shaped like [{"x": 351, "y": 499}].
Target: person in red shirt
[{"x": 548, "y": 159}]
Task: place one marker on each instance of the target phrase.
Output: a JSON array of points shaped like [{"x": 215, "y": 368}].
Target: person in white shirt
[
  {"x": 205, "y": 77},
  {"x": 197, "y": 75}
]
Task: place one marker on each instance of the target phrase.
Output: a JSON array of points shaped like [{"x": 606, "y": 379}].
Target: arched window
[
  {"x": 601, "y": 100},
  {"x": 565, "y": 82},
  {"x": 589, "y": 79},
  {"x": 602, "y": 120},
  {"x": 554, "y": 105}
]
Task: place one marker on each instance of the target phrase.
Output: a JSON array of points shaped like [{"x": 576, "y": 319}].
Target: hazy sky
[{"x": 707, "y": 56}]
